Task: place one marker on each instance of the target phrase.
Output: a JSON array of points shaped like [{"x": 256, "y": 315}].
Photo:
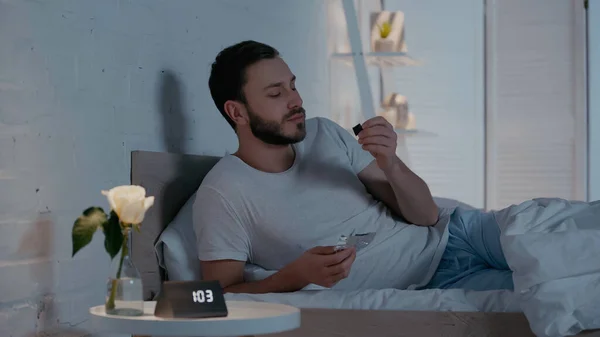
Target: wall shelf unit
[{"x": 361, "y": 55}]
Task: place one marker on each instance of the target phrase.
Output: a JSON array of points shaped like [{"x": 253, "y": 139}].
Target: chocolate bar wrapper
[
  {"x": 360, "y": 241},
  {"x": 341, "y": 244}
]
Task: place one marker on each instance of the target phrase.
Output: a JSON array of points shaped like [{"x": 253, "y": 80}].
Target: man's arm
[
  {"x": 390, "y": 180},
  {"x": 403, "y": 191},
  {"x": 230, "y": 274},
  {"x": 323, "y": 266}
]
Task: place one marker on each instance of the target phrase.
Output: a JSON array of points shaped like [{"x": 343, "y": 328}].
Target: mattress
[{"x": 392, "y": 299}]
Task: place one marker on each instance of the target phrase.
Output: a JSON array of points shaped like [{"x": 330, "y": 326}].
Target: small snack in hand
[{"x": 357, "y": 129}]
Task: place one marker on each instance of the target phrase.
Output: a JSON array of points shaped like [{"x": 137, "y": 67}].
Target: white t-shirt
[{"x": 270, "y": 219}]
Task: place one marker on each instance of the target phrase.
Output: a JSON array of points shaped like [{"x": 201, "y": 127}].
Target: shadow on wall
[
  {"x": 171, "y": 106},
  {"x": 175, "y": 135}
]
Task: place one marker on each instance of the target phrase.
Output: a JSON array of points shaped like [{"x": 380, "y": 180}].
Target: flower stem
[{"x": 110, "y": 304}]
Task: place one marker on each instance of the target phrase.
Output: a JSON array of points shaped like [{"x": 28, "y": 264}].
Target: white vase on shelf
[{"x": 384, "y": 45}]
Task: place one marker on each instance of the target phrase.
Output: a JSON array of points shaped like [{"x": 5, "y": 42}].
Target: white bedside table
[{"x": 245, "y": 318}]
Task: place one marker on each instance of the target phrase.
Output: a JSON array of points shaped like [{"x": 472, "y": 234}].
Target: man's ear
[{"x": 237, "y": 112}]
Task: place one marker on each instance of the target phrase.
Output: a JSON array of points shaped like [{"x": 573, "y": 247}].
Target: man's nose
[{"x": 295, "y": 100}]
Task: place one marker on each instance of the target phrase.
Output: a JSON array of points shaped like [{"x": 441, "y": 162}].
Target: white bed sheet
[{"x": 392, "y": 299}]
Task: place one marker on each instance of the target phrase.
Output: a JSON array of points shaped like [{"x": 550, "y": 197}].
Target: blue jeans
[{"x": 473, "y": 258}]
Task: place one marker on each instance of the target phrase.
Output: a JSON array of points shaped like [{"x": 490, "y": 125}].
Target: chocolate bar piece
[{"x": 357, "y": 129}]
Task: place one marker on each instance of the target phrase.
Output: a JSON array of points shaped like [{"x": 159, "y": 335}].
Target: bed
[{"x": 173, "y": 179}]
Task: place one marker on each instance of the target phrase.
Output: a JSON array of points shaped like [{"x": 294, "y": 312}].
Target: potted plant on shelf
[
  {"x": 128, "y": 205},
  {"x": 383, "y": 44}
]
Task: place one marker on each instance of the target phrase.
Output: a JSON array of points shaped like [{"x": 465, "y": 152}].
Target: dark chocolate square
[{"x": 357, "y": 129}]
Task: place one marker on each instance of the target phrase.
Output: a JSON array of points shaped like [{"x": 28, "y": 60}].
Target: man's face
[{"x": 274, "y": 107}]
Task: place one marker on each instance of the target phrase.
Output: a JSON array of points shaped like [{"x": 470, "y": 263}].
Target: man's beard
[{"x": 270, "y": 131}]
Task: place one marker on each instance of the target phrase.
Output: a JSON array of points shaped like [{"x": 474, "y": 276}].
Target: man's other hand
[{"x": 323, "y": 265}]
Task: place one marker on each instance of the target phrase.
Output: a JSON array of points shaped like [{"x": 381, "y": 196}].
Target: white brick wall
[{"x": 81, "y": 85}]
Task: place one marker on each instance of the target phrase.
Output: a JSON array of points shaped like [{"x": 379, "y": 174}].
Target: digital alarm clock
[{"x": 190, "y": 299}]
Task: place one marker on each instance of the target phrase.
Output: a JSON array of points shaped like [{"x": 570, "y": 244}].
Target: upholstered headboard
[{"x": 171, "y": 179}]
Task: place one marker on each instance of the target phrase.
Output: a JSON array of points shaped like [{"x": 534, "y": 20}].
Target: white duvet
[{"x": 553, "y": 247}]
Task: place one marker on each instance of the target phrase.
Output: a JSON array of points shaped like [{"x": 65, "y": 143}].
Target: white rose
[{"x": 129, "y": 202}]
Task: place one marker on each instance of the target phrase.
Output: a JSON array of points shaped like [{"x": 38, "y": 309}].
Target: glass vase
[{"x": 125, "y": 294}]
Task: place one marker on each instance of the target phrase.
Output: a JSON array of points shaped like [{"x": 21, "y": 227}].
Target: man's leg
[{"x": 473, "y": 258}]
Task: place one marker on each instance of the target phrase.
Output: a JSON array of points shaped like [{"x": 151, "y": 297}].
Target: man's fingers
[
  {"x": 350, "y": 260},
  {"x": 343, "y": 268},
  {"x": 375, "y": 148},
  {"x": 377, "y": 130},
  {"x": 376, "y": 121},
  {"x": 323, "y": 250},
  {"x": 340, "y": 267},
  {"x": 336, "y": 272},
  {"x": 335, "y": 278},
  {"x": 338, "y": 257},
  {"x": 377, "y": 140}
]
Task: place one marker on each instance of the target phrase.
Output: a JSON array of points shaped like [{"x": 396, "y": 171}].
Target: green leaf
[
  {"x": 85, "y": 226},
  {"x": 113, "y": 236}
]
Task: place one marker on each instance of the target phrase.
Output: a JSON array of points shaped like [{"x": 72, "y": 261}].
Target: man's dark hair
[{"x": 228, "y": 72}]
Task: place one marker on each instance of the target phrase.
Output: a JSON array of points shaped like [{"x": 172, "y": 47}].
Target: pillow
[{"x": 176, "y": 246}]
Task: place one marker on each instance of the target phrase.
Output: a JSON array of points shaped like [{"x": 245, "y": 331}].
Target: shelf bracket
[{"x": 360, "y": 66}]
